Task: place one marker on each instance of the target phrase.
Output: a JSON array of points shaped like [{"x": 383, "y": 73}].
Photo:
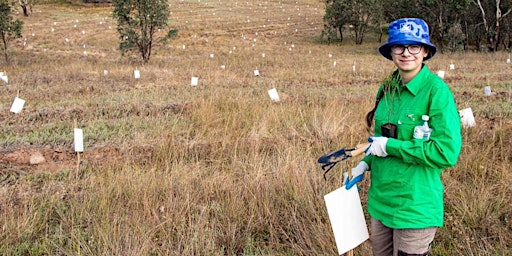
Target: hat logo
[{"x": 405, "y": 28}]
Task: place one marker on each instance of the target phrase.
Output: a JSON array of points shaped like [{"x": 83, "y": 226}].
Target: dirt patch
[{"x": 54, "y": 159}]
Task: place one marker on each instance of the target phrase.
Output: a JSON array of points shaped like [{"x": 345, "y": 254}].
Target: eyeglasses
[{"x": 400, "y": 49}]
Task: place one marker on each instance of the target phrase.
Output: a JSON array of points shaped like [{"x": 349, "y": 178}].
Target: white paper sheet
[{"x": 347, "y": 218}]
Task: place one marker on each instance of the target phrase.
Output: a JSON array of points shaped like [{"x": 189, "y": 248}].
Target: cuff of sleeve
[
  {"x": 393, "y": 147},
  {"x": 363, "y": 166},
  {"x": 368, "y": 160}
]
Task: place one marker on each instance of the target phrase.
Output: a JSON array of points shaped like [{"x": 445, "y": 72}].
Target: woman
[{"x": 405, "y": 199}]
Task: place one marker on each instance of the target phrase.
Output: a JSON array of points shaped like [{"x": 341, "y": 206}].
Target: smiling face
[{"x": 408, "y": 59}]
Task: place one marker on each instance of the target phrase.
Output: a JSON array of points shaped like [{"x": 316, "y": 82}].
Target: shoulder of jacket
[{"x": 436, "y": 82}]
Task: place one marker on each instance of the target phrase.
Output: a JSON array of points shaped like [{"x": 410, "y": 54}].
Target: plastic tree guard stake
[
  {"x": 79, "y": 139},
  {"x": 17, "y": 105},
  {"x": 194, "y": 81},
  {"x": 274, "y": 96}
]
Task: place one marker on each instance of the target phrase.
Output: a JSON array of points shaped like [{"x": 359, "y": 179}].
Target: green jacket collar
[{"x": 418, "y": 81}]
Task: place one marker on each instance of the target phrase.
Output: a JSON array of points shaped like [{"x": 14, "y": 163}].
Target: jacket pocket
[{"x": 409, "y": 118}]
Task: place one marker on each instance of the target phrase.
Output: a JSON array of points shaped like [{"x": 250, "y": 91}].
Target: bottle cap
[{"x": 425, "y": 117}]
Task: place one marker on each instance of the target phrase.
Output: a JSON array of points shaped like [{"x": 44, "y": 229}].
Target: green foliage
[
  {"x": 451, "y": 22},
  {"x": 356, "y": 13},
  {"x": 138, "y": 22},
  {"x": 9, "y": 28},
  {"x": 334, "y": 20},
  {"x": 392, "y": 82}
]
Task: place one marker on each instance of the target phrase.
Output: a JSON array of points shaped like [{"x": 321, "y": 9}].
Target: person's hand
[
  {"x": 357, "y": 175},
  {"x": 378, "y": 146}
]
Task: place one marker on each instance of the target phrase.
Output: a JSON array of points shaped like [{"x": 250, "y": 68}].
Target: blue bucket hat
[{"x": 408, "y": 31}]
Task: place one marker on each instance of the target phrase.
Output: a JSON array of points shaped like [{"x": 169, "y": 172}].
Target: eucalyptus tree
[
  {"x": 357, "y": 14},
  {"x": 493, "y": 13},
  {"x": 9, "y": 28},
  {"x": 334, "y": 20},
  {"x": 363, "y": 13},
  {"x": 138, "y": 23},
  {"x": 445, "y": 18}
]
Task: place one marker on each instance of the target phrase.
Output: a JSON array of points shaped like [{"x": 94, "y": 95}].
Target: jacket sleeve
[
  {"x": 368, "y": 160},
  {"x": 443, "y": 148}
]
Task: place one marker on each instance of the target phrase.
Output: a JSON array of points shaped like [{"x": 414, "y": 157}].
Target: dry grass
[{"x": 219, "y": 169}]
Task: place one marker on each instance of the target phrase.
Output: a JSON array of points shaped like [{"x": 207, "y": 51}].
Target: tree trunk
[
  {"x": 25, "y": 10},
  {"x": 486, "y": 26},
  {"x": 359, "y": 31},
  {"x": 440, "y": 32},
  {"x": 24, "y": 6},
  {"x": 496, "y": 37},
  {"x": 340, "y": 29},
  {"x": 466, "y": 42},
  {"x": 497, "y": 26},
  {"x": 4, "y": 40},
  {"x": 380, "y": 33},
  {"x": 509, "y": 43}
]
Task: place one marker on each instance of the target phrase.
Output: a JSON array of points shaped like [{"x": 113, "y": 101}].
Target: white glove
[
  {"x": 357, "y": 175},
  {"x": 378, "y": 146}
]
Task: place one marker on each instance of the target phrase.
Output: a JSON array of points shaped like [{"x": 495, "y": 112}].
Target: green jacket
[{"x": 406, "y": 189}]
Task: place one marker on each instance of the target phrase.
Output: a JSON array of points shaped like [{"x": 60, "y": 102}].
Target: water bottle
[{"x": 422, "y": 131}]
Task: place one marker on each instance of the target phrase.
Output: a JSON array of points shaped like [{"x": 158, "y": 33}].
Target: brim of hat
[{"x": 385, "y": 49}]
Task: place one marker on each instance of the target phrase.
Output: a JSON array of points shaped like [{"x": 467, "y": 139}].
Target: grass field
[{"x": 219, "y": 169}]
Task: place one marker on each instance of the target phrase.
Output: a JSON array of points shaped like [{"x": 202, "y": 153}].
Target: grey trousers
[{"x": 393, "y": 242}]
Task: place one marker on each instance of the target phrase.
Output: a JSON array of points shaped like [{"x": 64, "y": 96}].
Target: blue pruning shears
[{"x": 328, "y": 161}]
